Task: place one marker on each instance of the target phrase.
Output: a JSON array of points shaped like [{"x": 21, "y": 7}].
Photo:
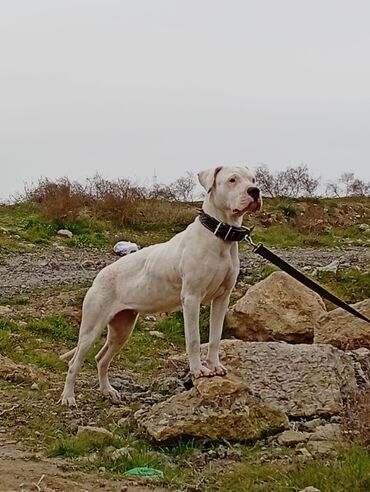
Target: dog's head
[{"x": 232, "y": 188}]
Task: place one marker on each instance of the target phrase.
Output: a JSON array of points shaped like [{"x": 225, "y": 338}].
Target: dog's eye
[
  {"x": 232, "y": 180},
  {"x": 253, "y": 180}
]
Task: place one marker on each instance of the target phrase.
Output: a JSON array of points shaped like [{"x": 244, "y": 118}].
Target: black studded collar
[{"x": 224, "y": 231}]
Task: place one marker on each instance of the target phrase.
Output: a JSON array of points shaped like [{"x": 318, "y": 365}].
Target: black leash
[
  {"x": 232, "y": 233},
  {"x": 261, "y": 250}
]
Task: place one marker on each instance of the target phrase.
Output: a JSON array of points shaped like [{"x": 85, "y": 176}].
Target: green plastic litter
[{"x": 143, "y": 471}]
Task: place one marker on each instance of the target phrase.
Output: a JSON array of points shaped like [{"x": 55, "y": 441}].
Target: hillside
[{"x": 44, "y": 279}]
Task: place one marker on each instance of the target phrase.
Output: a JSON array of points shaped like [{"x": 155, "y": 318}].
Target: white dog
[{"x": 198, "y": 265}]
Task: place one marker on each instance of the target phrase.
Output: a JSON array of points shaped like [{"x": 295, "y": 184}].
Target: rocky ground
[
  {"x": 53, "y": 266},
  {"x": 307, "y": 386}
]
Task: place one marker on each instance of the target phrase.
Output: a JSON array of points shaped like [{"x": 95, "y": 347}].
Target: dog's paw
[
  {"x": 112, "y": 394},
  {"x": 217, "y": 369},
  {"x": 68, "y": 401},
  {"x": 202, "y": 372}
]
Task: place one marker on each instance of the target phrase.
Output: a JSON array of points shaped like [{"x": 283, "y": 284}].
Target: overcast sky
[{"x": 125, "y": 87}]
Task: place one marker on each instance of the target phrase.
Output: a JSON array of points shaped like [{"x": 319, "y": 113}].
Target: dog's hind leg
[
  {"x": 119, "y": 331},
  {"x": 95, "y": 317}
]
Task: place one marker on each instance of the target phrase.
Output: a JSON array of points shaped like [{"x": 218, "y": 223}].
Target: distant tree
[
  {"x": 346, "y": 180},
  {"x": 333, "y": 189},
  {"x": 348, "y": 185},
  {"x": 265, "y": 180},
  {"x": 183, "y": 187},
  {"x": 161, "y": 192},
  {"x": 292, "y": 182},
  {"x": 359, "y": 188}
]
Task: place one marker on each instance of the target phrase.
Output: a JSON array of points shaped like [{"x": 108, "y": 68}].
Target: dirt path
[
  {"x": 51, "y": 267},
  {"x": 21, "y": 470}
]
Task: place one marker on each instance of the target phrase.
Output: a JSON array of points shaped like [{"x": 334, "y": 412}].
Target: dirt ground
[
  {"x": 50, "y": 267},
  {"x": 21, "y": 471}
]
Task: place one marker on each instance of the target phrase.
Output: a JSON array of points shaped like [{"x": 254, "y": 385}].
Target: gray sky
[{"x": 122, "y": 87}]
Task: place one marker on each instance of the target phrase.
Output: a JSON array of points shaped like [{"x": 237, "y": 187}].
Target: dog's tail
[{"x": 68, "y": 355}]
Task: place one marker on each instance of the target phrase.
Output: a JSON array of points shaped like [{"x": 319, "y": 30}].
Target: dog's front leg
[
  {"x": 191, "y": 309},
  {"x": 218, "y": 311}
]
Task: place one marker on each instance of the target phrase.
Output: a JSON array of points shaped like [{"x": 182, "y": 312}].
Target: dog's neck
[{"x": 211, "y": 209}]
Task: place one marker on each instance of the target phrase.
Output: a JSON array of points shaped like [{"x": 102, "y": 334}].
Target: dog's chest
[{"x": 222, "y": 279}]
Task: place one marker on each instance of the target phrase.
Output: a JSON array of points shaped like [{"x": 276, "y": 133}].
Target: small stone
[
  {"x": 364, "y": 227},
  {"x": 91, "y": 431},
  {"x": 5, "y": 310},
  {"x": 87, "y": 264},
  {"x": 34, "y": 387},
  {"x": 312, "y": 424},
  {"x": 292, "y": 438},
  {"x": 124, "y": 452},
  {"x": 328, "y": 432},
  {"x": 156, "y": 333},
  {"x": 304, "y": 453},
  {"x": 234, "y": 454},
  {"x": 150, "y": 318},
  {"x": 320, "y": 447},
  {"x": 310, "y": 489},
  {"x": 65, "y": 233},
  {"x": 117, "y": 413},
  {"x": 122, "y": 422},
  {"x": 109, "y": 450}
]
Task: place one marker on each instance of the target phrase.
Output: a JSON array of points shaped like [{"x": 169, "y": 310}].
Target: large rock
[
  {"x": 216, "y": 408},
  {"x": 299, "y": 380},
  {"x": 343, "y": 330},
  {"x": 277, "y": 308}
]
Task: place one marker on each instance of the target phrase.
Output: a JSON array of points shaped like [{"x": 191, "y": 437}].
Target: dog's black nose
[{"x": 254, "y": 192}]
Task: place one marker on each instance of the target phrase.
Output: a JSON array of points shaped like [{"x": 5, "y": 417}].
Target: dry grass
[{"x": 118, "y": 201}]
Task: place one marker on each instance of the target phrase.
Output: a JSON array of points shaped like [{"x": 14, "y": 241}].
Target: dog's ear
[{"x": 207, "y": 178}]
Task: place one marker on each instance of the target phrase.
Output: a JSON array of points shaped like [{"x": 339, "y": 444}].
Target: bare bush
[
  {"x": 293, "y": 182},
  {"x": 348, "y": 185},
  {"x": 265, "y": 180},
  {"x": 183, "y": 187},
  {"x": 114, "y": 199},
  {"x": 58, "y": 199},
  {"x": 118, "y": 200},
  {"x": 161, "y": 192}
]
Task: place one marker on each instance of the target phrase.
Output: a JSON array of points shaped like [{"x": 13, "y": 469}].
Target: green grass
[
  {"x": 37, "y": 342},
  {"x": 80, "y": 445},
  {"x": 285, "y": 236},
  {"x": 260, "y": 274},
  {"x": 350, "y": 285},
  {"x": 24, "y": 226},
  {"x": 349, "y": 471},
  {"x": 158, "y": 221},
  {"x": 53, "y": 328},
  {"x": 173, "y": 327},
  {"x": 16, "y": 300}
]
